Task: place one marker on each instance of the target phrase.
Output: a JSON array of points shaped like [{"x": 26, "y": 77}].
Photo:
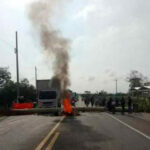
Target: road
[
  {"x": 24, "y": 132},
  {"x": 90, "y": 131}
]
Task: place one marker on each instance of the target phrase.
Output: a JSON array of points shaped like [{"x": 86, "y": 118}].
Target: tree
[
  {"x": 27, "y": 90},
  {"x": 103, "y": 93},
  {"x": 5, "y": 76},
  {"x": 8, "y": 94},
  {"x": 8, "y": 89},
  {"x": 135, "y": 79},
  {"x": 25, "y": 82},
  {"x": 146, "y": 81}
]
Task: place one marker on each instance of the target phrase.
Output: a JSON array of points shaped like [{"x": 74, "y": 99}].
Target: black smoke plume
[{"x": 54, "y": 45}]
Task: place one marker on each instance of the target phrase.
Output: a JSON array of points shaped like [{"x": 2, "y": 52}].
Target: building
[{"x": 143, "y": 90}]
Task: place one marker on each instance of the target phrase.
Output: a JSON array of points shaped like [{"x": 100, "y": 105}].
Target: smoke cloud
[{"x": 54, "y": 45}]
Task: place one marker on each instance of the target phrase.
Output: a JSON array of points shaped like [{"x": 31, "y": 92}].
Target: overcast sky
[{"x": 108, "y": 39}]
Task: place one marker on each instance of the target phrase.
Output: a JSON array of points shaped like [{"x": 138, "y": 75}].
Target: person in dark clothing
[
  {"x": 109, "y": 106},
  {"x": 92, "y": 100},
  {"x": 117, "y": 101},
  {"x": 123, "y": 105},
  {"x": 129, "y": 104},
  {"x": 86, "y": 101},
  {"x": 104, "y": 101},
  {"x": 113, "y": 106}
]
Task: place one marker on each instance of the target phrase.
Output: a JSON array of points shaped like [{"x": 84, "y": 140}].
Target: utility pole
[
  {"x": 116, "y": 86},
  {"x": 35, "y": 77},
  {"x": 17, "y": 67},
  {"x": 36, "y": 81}
]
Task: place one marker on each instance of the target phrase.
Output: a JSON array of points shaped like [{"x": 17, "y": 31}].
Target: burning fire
[{"x": 67, "y": 104}]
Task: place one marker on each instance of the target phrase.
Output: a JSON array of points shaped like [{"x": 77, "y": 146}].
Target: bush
[{"x": 143, "y": 103}]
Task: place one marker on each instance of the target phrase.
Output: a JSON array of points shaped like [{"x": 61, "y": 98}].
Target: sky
[{"x": 108, "y": 39}]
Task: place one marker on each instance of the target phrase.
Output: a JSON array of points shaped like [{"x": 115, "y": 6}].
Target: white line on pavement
[{"x": 137, "y": 131}]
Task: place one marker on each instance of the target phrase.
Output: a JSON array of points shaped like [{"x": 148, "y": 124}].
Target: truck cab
[
  {"x": 47, "y": 95},
  {"x": 49, "y": 98}
]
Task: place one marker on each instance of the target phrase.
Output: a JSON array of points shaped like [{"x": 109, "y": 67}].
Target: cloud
[
  {"x": 91, "y": 79},
  {"x": 104, "y": 34},
  {"x": 107, "y": 71},
  {"x": 17, "y": 3},
  {"x": 83, "y": 14}
]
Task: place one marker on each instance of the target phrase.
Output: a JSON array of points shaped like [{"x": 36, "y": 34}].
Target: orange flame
[{"x": 67, "y": 106}]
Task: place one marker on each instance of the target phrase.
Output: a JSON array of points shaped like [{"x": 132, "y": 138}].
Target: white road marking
[
  {"x": 137, "y": 131},
  {"x": 43, "y": 142}
]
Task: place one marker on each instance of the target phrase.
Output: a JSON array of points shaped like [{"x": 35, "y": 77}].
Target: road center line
[
  {"x": 50, "y": 145},
  {"x": 43, "y": 142},
  {"x": 137, "y": 131}
]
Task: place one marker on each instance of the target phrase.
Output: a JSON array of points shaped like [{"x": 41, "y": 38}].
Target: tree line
[
  {"x": 137, "y": 79},
  {"x": 8, "y": 89}
]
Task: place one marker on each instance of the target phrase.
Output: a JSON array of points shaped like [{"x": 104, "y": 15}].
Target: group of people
[
  {"x": 111, "y": 105},
  {"x": 89, "y": 100}
]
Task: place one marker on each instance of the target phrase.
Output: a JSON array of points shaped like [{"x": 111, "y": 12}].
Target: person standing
[
  {"x": 104, "y": 102},
  {"x": 113, "y": 106},
  {"x": 123, "y": 104},
  {"x": 109, "y": 106},
  {"x": 86, "y": 100},
  {"x": 129, "y": 104},
  {"x": 92, "y": 100}
]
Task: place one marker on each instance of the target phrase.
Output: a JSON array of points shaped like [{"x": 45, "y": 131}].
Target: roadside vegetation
[
  {"x": 140, "y": 101},
  {"x": 8, "y": 89},
  {"x": 140, "y": 98}
]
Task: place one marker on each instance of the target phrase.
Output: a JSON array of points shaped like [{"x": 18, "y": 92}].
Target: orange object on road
[
  {"x": 67, "y": 106},
  {"x": 23, "y": 105}
]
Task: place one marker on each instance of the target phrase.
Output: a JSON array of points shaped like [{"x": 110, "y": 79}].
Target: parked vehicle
[{"x": 48, "y": 96}]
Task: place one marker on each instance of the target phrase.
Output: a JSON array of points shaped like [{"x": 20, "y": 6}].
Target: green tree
[
  {"x": 25, "y": 82},
  {"x": 135, "y": 79},
  {"x": 146, "y": 81},
  {"x": 103, "y": 93},
  {"x": 5, "y": 76},
  {"x": 8, "y": 89},
  {"x": 27, "y": 90},
  {"x": 8, "y": 94}
]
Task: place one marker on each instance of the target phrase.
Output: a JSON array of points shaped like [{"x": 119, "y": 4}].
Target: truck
[{"x": 47, "y": 95}]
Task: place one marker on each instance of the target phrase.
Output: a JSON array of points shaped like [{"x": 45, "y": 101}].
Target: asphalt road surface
[{"x": 90, "y": 131}]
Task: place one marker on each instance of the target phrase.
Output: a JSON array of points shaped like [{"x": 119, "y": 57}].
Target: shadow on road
[{"x": 74, "y": 135}]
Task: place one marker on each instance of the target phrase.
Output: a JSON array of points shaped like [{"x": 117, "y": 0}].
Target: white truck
[{"x": 47, "y": 95}]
